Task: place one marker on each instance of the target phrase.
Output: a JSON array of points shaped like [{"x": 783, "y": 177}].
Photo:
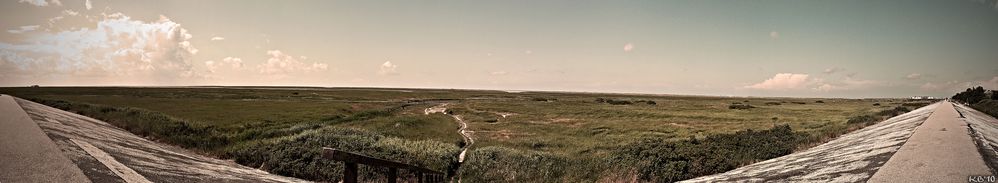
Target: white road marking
[{"x": 119, "y": 169}]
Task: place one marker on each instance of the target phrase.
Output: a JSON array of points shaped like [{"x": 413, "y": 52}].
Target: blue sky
[{"x": 738, "y": 48}]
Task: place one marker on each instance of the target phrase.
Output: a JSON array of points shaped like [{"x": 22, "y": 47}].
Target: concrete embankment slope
[
  {"x": 105, "y": 153},
  {"x": 984, "y": 130},
  {"x": 26, "y": 153},
  {"x": 934, "y": 143},
  {"x": 852, "y": 157},
  {"x": 941, "y": 150}
]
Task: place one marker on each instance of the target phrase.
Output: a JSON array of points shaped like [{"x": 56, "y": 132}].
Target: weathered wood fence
[{"x": 350, "y": 160}]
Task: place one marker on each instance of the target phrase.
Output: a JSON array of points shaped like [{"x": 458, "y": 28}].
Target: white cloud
[
  {"x": 833, "y": 70},
  {"x": 774, "y": 35},
  {"x": 955, "y": 86},
  {"x": 217, "y": 38},
  {"x": 23, "y": 29},
  {"x": 782, "y": 81},
  {"x": 628, "y": 47},
  {"x": 388, "y": 68},
  {"x": 280, "y": 64},
  {"x": 913, "y": 76},
  {"x": 498, "y": 73},
  {"x": 528, "y": 52},
  {"x": 88, "y": 5},
  {"x": 849, "y": 83},
  {"x": 70, "y": 12},
  {"x": 212, "y": 66},
  {"x": 118, "y": 46},
  {"x": 929, "y": 86},
  {"x": 234, "y": 62},
  {"x": 42, "y": 2}
]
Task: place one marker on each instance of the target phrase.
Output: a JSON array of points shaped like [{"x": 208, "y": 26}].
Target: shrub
[
  {"x": 876, "y": 104},
  {"x": 987, "y": 106},
  {"x": 541, "y": 99},
  {"x": 656, "y": 160},
  {"x": 773, "y": 103},
  {"x": 614, "y": 102},
  {"x": 820, "y": 102},
  {"x": 864, "y": 119},
  {"x": 300, "y": 155},
  {"x": 501, "y": 164},
  {"x": 740, "y": 106},
  {"x": 619, "y": 102},
  {"x": 893, "y": 112},
  {"x": 971, "y": 95}
]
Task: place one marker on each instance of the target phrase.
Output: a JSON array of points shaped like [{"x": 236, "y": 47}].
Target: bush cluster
[
  {"x": 613, "y": 102},
  {"x": 980, "y": 99},
  {"x": 974, "y": 95},
  {"x": 300, "y": 155},
  {"x": 740, "y": 106},
  {"x": 648, "y": 160},
  {"x": 656, "y": 160},
  {"x": 541, "y": 99},
  {"x": 877, "y": 117}
]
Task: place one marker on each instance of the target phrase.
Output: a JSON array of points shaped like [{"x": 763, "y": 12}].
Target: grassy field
[{"x": 522, "y": 136}]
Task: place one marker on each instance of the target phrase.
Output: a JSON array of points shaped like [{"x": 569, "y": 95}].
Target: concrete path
[
  {"x": 26, "y": 153},
  {"x": 940, "y": 150}
]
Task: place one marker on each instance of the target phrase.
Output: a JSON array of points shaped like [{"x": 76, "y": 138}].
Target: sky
[{"x": 851, "y": 49}]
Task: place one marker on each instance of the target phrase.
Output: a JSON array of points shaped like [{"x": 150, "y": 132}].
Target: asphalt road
[{"x": 27, "y": 154}]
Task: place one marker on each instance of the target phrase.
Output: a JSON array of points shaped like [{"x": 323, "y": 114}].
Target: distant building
[{"x": 922, "y": 98}]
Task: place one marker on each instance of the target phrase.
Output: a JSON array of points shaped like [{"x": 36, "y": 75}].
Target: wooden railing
[{"x": 350, "y": 160}]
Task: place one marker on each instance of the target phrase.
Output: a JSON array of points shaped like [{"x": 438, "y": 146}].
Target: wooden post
[
  {"x": 350, "y": 173},
  {"x": 393, "y": 174}
]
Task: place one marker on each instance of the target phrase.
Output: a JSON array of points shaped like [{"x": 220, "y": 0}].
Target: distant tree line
[
  {"x": 978, "y": 98},
  {"x": 975, "y": 95}
]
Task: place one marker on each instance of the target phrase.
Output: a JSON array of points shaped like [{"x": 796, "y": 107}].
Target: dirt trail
[{"x": 468, "y": 141}]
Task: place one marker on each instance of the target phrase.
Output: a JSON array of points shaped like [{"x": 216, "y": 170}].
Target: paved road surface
[
  {"x": 26, "y": 153},
  {"x": 941, "y": 150}
]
